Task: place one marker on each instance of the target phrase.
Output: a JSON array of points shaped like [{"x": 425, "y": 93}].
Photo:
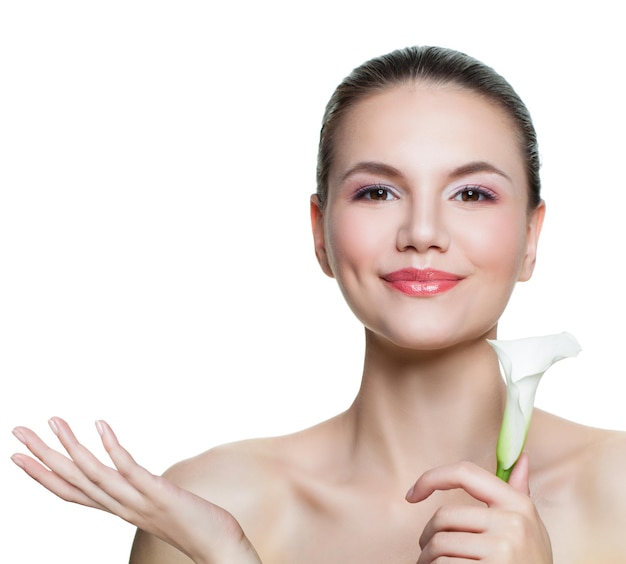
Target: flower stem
[{"x": 503, "y": 473}]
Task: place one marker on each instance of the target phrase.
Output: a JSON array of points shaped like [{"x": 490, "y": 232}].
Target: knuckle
[
  {"x": 514, "y": 539},
  {"x": 465, "y": 468},
  {"x": 437, "y": 543},
  {"x": 96, "y": 476},
  {"x": 518, "y": 525},
  {"x": 127, "y": 471},
  {"x": 70, "y": 497},
  {"x": 76, "y": 477},
  {"x": 503, "y": 550},
  {"x": 465, "y": 465},
  {"x": 442, "y": 516}
]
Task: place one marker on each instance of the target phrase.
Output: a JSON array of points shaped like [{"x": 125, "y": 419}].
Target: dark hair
[{"x": 436, "y": 65}]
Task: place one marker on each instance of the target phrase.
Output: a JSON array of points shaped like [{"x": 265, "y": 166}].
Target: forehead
[{"x": 419, "y": 128}]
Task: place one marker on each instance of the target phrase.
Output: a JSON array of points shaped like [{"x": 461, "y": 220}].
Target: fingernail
[
  {"x": 410, "y": 492},
  {"x": 18, "y": 435},
  {"x": 53, "y": 426},
  {"x": 17, "y": 461},
  {"x": 100, "y": 427}
]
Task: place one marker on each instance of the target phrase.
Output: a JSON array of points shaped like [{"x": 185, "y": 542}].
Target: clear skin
[{"x": 446, "y": 191}]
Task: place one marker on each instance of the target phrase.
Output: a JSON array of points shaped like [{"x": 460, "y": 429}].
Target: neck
[{"x": 415, "y": 411}]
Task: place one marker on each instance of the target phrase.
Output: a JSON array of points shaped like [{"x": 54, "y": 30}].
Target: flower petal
[
  {"x": 533, "y": 355},
  {"x": 524, "y": 362}
]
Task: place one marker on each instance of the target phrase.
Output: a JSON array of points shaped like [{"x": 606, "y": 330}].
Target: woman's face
[{"x": 426, "y": 227}]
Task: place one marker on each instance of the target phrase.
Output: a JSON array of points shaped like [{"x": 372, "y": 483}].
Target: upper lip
[{"x": 419, "y": 275}]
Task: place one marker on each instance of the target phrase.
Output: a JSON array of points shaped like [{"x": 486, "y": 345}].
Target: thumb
[{"x": 519, "y": 475}]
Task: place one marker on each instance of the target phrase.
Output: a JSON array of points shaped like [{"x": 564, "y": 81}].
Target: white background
[{"x": 156, "y": 263}]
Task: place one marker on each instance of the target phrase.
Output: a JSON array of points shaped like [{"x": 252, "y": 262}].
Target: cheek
[
  {"x": 498, "y": 246},
  {"x": 351, "y": 242}
]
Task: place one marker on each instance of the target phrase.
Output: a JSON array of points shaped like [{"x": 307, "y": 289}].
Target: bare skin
[
  {"x": 429, "y": 179},
  {"x": 308, "y": 497},
  {"x": 431, "y": 394},
  {"x": 329, "y": 494}
]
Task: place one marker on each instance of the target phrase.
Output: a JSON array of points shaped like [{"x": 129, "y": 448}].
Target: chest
[
  {"x": 351, "y": 528},
  {"x": 348, "y": 527}
]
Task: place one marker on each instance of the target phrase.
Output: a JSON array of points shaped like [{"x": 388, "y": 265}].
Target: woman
[{"x": 427, "y": 213}]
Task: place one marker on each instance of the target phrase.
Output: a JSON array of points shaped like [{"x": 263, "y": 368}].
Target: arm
[
  {"x": 204, "y": 532},
  {"x": 148, "y": 549}
]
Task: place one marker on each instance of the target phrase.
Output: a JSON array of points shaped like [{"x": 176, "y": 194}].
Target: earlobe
[
  {"x": 319, "y": 237},
  {"x": 535, "y": 222}
]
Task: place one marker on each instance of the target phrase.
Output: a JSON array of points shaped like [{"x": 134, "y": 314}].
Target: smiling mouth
[{"x": 417, "y": 282}]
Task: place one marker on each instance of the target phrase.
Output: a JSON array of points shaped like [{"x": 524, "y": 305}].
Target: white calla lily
[{"x": 524, "y": 362}]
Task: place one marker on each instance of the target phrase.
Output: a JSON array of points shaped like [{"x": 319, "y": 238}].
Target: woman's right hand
[
  {"x": 506, "y": 529},
  {"x": 202, "y": 530}
]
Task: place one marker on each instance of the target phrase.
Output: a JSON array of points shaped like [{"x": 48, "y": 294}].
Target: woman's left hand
[{"x": 507, "y": 531}]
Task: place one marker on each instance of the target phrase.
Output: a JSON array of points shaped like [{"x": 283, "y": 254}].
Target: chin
[
  {"x": 431, "y": 343},
  {"x": 434, "y": 338}
]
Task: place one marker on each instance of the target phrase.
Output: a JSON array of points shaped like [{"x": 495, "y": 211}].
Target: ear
[
  {"x": 535, "y": 221},
  {"x": 319, "y": 237}
]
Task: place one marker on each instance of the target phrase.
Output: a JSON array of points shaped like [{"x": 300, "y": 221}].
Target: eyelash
[
  {"x": 362, "y": 193},
  {"x": 483, "y": 193}
]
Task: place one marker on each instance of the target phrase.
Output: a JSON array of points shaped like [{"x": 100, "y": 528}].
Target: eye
[
  {"x": 474, "y": 194},
  {"x": 376, "y": 193}
]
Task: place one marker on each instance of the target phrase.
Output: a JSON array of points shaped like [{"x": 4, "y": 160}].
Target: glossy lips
[{"x": 416, "y": 282}]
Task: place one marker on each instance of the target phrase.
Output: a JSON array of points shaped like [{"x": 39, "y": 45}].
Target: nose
[{"x": 423, "y": 226}]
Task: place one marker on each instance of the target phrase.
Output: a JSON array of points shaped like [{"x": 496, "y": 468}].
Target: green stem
[{"x": 503, "y": 473}]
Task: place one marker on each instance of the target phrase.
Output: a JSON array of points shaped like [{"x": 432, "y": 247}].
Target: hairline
[{"x": 428, "y": 81}]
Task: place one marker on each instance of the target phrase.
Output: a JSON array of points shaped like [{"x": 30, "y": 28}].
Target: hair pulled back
[{"x": 435, "y": 65}]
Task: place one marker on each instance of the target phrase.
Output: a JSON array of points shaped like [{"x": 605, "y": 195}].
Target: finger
[
  {"x": 139, "y": 477},
  {"x": 152, "y": 488},
  {"x": 49, "y": 479},
  {"x": 100, "y": 482},
  {"x": 89, "y": 466},
  {"x": 129, "y": 491},
  {"x": 457, "y": 546},
  {"x": 468, "y": 518},
  {"x": 519, "y": 475},
  {"x": 476, "y": 481}
]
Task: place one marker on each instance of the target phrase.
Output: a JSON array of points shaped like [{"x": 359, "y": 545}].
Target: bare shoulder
[
  {"x": 602, "y": 491},
  {"x": 581, "y": 487},
  {"x": 228, "y": 476},
  {"x": 238, "y": 477},
  {"x": 264, "y": 483},
  {"x": 233, "y": 473},
  {"x": 242, "y": 473},
  {"x": 591, "y": 456},
  {"x": 602, "y": 482},
  {"x": 250, "y": 479}
]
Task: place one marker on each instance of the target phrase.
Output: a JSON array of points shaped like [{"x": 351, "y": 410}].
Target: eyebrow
[
  {"x": 374, "y": 167},
  {"x": 478, "y": 166}
]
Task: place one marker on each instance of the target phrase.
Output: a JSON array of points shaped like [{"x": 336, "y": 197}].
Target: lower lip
[{"x": 423, "y": 287}]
